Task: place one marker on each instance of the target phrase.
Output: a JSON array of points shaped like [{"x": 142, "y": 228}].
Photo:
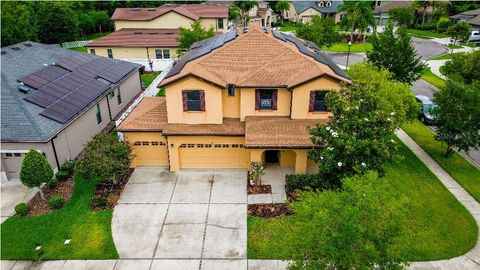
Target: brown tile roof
[
  {"x": 229, "y": 127},
  {"x": 278, "y": 132},
  {"x": 149, "y": 115},
  {"x": 192, "y": 11},
  {"x": 139, "y": 37},
  {"x": 255, "y": 59}
]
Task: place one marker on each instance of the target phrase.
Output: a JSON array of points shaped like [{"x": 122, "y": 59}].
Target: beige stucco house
[
  {"x": 54, "y": 100},
  {"x": 237, "y": 98}
]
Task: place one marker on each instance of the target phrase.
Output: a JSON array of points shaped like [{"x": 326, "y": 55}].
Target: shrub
[
  {"x": 56, "y": 202},
  {"x": 62, "y": 175},
  {"x": 306, "y": 182},
  {"x": 426, "y": 26},
  {"x": 443, "y": 24},
  {"x": 98, "y": 202},
  {"x": 21, "y": 209},
  {"x": 52, "y": 183},
  {"x": 68, "y": 167},
  {"x": 35, "y": 170}
]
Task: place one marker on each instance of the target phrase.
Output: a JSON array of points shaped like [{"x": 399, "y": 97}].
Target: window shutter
[
  {"x": 185, "y": 100},
  {"x": 202, "y": 100},
  {"x": 274, "y": 99},
  {"x": 257, "y": 99},
  {"x": 311, "y": 104}
]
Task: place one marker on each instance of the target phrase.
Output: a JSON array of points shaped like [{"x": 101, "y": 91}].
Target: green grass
[
  {"x": 80, "y": 49},
  {"x": 438, "y": 226},
  {"x": 89, "y": 231},
  {"x": 454, "y": 46},
  {"x": 446, "y": 56},
  {"x": 433, "y": 79},
  {"x": 95, "y": 36},
  {"x": 161, "y": 92},
  {"x": 148, "y": 78},
  {"x": 467, "y": 175},
  {"x": 355, "y": 48},
  {"x": 288, "y": 27},
  {"x": 425, "y": 34}
]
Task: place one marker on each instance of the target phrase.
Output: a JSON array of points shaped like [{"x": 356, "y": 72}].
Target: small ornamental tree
[
  {"x": 460, "y": 32},
  {"x": 464, "y": 67},
  {"x": 402, "y": 16},
  {"x": 350, "y": 229},
  {"x": 396, "y": 54},
  {"x": 359, "y": 136},
  {"x": 458, "y": 116},
  {"x": 105, "y": 157},
  {"x": 320, "y": 31},
  {"x": 35, "y": 170},
  {"x": 196, "y": 33}
]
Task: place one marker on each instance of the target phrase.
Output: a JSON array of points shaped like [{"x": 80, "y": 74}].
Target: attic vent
[
  {"x": 16, "y": 48},
  {"x": 168, "y": 33},
  {"x": 24, "y": 89},
  {"x": 153, "y": 33},
  {"x": 137, "y": 33},
  {"x": 4, "y": 52},
  {"x": 135, "y": 9},
  {"x": 27, "y": 45},
  {"x": 151, "y": 9}
]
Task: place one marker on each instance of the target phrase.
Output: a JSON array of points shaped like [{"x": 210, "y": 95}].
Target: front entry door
[{"x": 271, "y": 156}]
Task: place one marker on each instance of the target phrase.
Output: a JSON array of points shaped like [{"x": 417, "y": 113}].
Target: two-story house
[
  {"x": 234, "y": 99},
  {"x": 149, "y": 36},
  {"x": 303, "y": 11}
]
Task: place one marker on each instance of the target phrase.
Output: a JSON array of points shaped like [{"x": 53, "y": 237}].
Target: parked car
[
  {"x": 426, "y": 106},
  {"x": 475, "y": 37}
]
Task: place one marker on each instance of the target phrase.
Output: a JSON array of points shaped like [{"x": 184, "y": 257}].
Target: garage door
[
  {"x": 213, "y": 156},
  {"x": 149, "y": 153}
]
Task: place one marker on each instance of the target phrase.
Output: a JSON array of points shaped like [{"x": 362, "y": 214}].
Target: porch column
[
  {"x": 256, "y": 155},
  {"x": 301, "y": 162}
]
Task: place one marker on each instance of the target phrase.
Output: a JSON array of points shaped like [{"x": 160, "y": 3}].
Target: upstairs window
[
  {"x": 193, "y": 100},
  {"x": 110, "y": 53},
  {"x": 220, "y": 23},
  {"x": 158, "y": 54},
  {"x": 266, "y": 99},
  {"x": 320, "y": 4},
  {"x": 328, "y": 4},
  {"x": 317, "y": 101},
  {"x": 162, "y": 54},
  {"x": 166, "y": 54}
]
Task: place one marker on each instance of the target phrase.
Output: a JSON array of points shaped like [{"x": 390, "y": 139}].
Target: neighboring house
[
  {"x": 54, "y": 100},
  {"x": 381, "y": 10},
  {"x": 241, "y": 97},
  {"x": 172, "y": 16},
  {"x": 157, "y": 47},
  {"x": 260, "y": 15},
  {"x": 472, "y": 17},
  {"x": 303, "y": 11}
]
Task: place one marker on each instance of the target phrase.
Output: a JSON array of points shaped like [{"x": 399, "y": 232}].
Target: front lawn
[
  {"x": 288, "y": 27},
  {"x": 438, "y": 227},
  {"x": 467, "y": 175},
  {"x": 425, "y": 34},
  {"x": 454, "y": 46},
  {"x": 147, "y": 78},
  {"x": 446, "y": 56},
  {"x": 89, "y": 231},
  {"x": 433, "y": 79},
  {"x": 355, "y": 48}
]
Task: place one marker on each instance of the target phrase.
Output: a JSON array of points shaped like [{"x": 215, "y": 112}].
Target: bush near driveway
[
  {"x": 466, "y": 174},
  {"x": 89, "y": 231},
  {"x": 437, "y": 226}
]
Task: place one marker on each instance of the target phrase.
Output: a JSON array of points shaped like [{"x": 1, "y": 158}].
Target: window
[
  {"x": 137, "y": 143},
  {"x": 158, "y": 54},
  {"x": 231, "y": 89},
  {"x": 154, "y": 143},
  {"x": 92, "y": 51},
  {"x": 193, "y": 100},
  {"x": 190, "y": 145},
  {"x": 8, "y": 154},
  {"x": 99, "y": 114},
  {"x": 320, "y": 4},
  {"x": 166, "y": 54},
  {"x": 266, "y": 99},
  {"x": 119, "y": 97},
  {"x": 17, "y": 154},
  {"x": 145, "y": 143},
  {"x": 317, "y": 101},
  {"x": 220, "y": 23},
  {"x": 328, "y": 4},
  {"x": 109, "y": 52}
]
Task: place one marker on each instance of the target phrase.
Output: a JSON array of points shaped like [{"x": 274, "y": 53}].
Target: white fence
[
  {"x": 75, "y": 44},
  {"x": 157, "y": 64}
]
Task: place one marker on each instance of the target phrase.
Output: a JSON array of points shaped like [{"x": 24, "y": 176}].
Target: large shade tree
[
  {"x": 366, "y": 113},
  {"x": 358, "y": 16},
  {"x": 57, "y": 22},
  {"x": 320, "y": 31},
  {"x": 464, "y": 67}
]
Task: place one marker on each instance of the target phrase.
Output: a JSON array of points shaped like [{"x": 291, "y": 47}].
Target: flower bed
[{"x": 38, "y": 207}]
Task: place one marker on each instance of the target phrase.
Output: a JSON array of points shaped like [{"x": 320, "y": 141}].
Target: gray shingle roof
[
  {"x": 21, "y": 120},
  {"x": 302, "y": 5}
]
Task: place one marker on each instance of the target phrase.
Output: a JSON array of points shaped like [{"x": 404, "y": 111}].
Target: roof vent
[
  {"x": 245, "y": 30},
  {"x": 27, "y": 45},
  {"x": 45, "y": 65},
  {"x": 168, "y": 33},
  {"x": 4, "y": 52},
  {"x": 151, "y": 9},
  {"x": 136, "y": 9},
  {"x": 22, "y": 88},
  {"x": 153, "y": 33},
  {"x": 137, "y": 33},
  {"x": 16, "y": 48}
]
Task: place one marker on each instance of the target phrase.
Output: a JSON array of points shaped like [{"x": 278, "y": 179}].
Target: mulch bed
[
  {"x": 110, "y": 192},
  {"x": 268, "y": 210},
  {"x": 259, "y": 189},
  {"x": 292, "y": 196},
  {"x": 38, "y": 207}
]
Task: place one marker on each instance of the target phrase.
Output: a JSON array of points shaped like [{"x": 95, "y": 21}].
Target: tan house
[
  {"x": 172, "y": 16},
  {"x": 234, "y": 99},
  {"x": 54, "y": 100},
  {"x": 303, "y": 11},
  {"x": 153, "y": 48}
]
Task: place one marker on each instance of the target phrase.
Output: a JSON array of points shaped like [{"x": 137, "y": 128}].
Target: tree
[
  {"x": 402, "y": 16},
  {"x": 464, "y": 67},
  {"x": 457, "y": 115},
  {"x": 196, "y": 33},
  {"x": 35, "y": 170},
  {"x": 18, "y": 22},
  {"x": 350, "y": 229},
  {"x": 281, "y": 6},
  {"x": 366, "y": 114},
  {"x": 320, "y": 31},
  {"x": 106, "y": 157},
  {"x": 233, "y": 13},
  {"x": 359, "y": 15},
  {"x": 460, "y": 31},
  {"x": 396, "y": 54},
  {"x": 57, "y": 22},
  {"x": 423, "y": 4},
  {"x": 245, "y": 6}
]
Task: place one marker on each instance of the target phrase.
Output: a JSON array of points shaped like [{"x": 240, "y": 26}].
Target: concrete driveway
[
  {"x": 182, "y": 218},
  {"x": 14, "y": 192}
]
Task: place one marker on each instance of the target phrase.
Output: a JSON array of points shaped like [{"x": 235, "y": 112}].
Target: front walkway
[
  {"x": 14, "y": 192},
  {"x": 275, "y": 177}
]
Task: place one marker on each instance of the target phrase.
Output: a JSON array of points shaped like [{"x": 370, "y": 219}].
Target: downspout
[
  {"x": 291, "y": 102},
  {"x": 55, "y": 152},
  {"x": 108, "y": 106}
]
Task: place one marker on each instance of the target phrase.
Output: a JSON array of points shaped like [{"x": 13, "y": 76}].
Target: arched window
[
  {"x": 320, "y": 4},
  {"x": 329, "y": 4}
]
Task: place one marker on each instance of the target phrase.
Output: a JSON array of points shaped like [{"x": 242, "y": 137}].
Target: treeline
[{"x": 60, "y": 21}]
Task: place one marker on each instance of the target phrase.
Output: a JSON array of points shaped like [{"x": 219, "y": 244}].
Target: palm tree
[
  {"x": 245, "y": 6},
  {"x": 359, "y": 15},
  {"x": 424, "y": 4},
  {"x": 281, "y": 6}
]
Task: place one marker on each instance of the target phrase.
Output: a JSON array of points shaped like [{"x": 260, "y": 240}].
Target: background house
[
  {"x": 302, "y": 11},
  {"x": 54, "y": 100},
  {"x": 471, "y": 17}
]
